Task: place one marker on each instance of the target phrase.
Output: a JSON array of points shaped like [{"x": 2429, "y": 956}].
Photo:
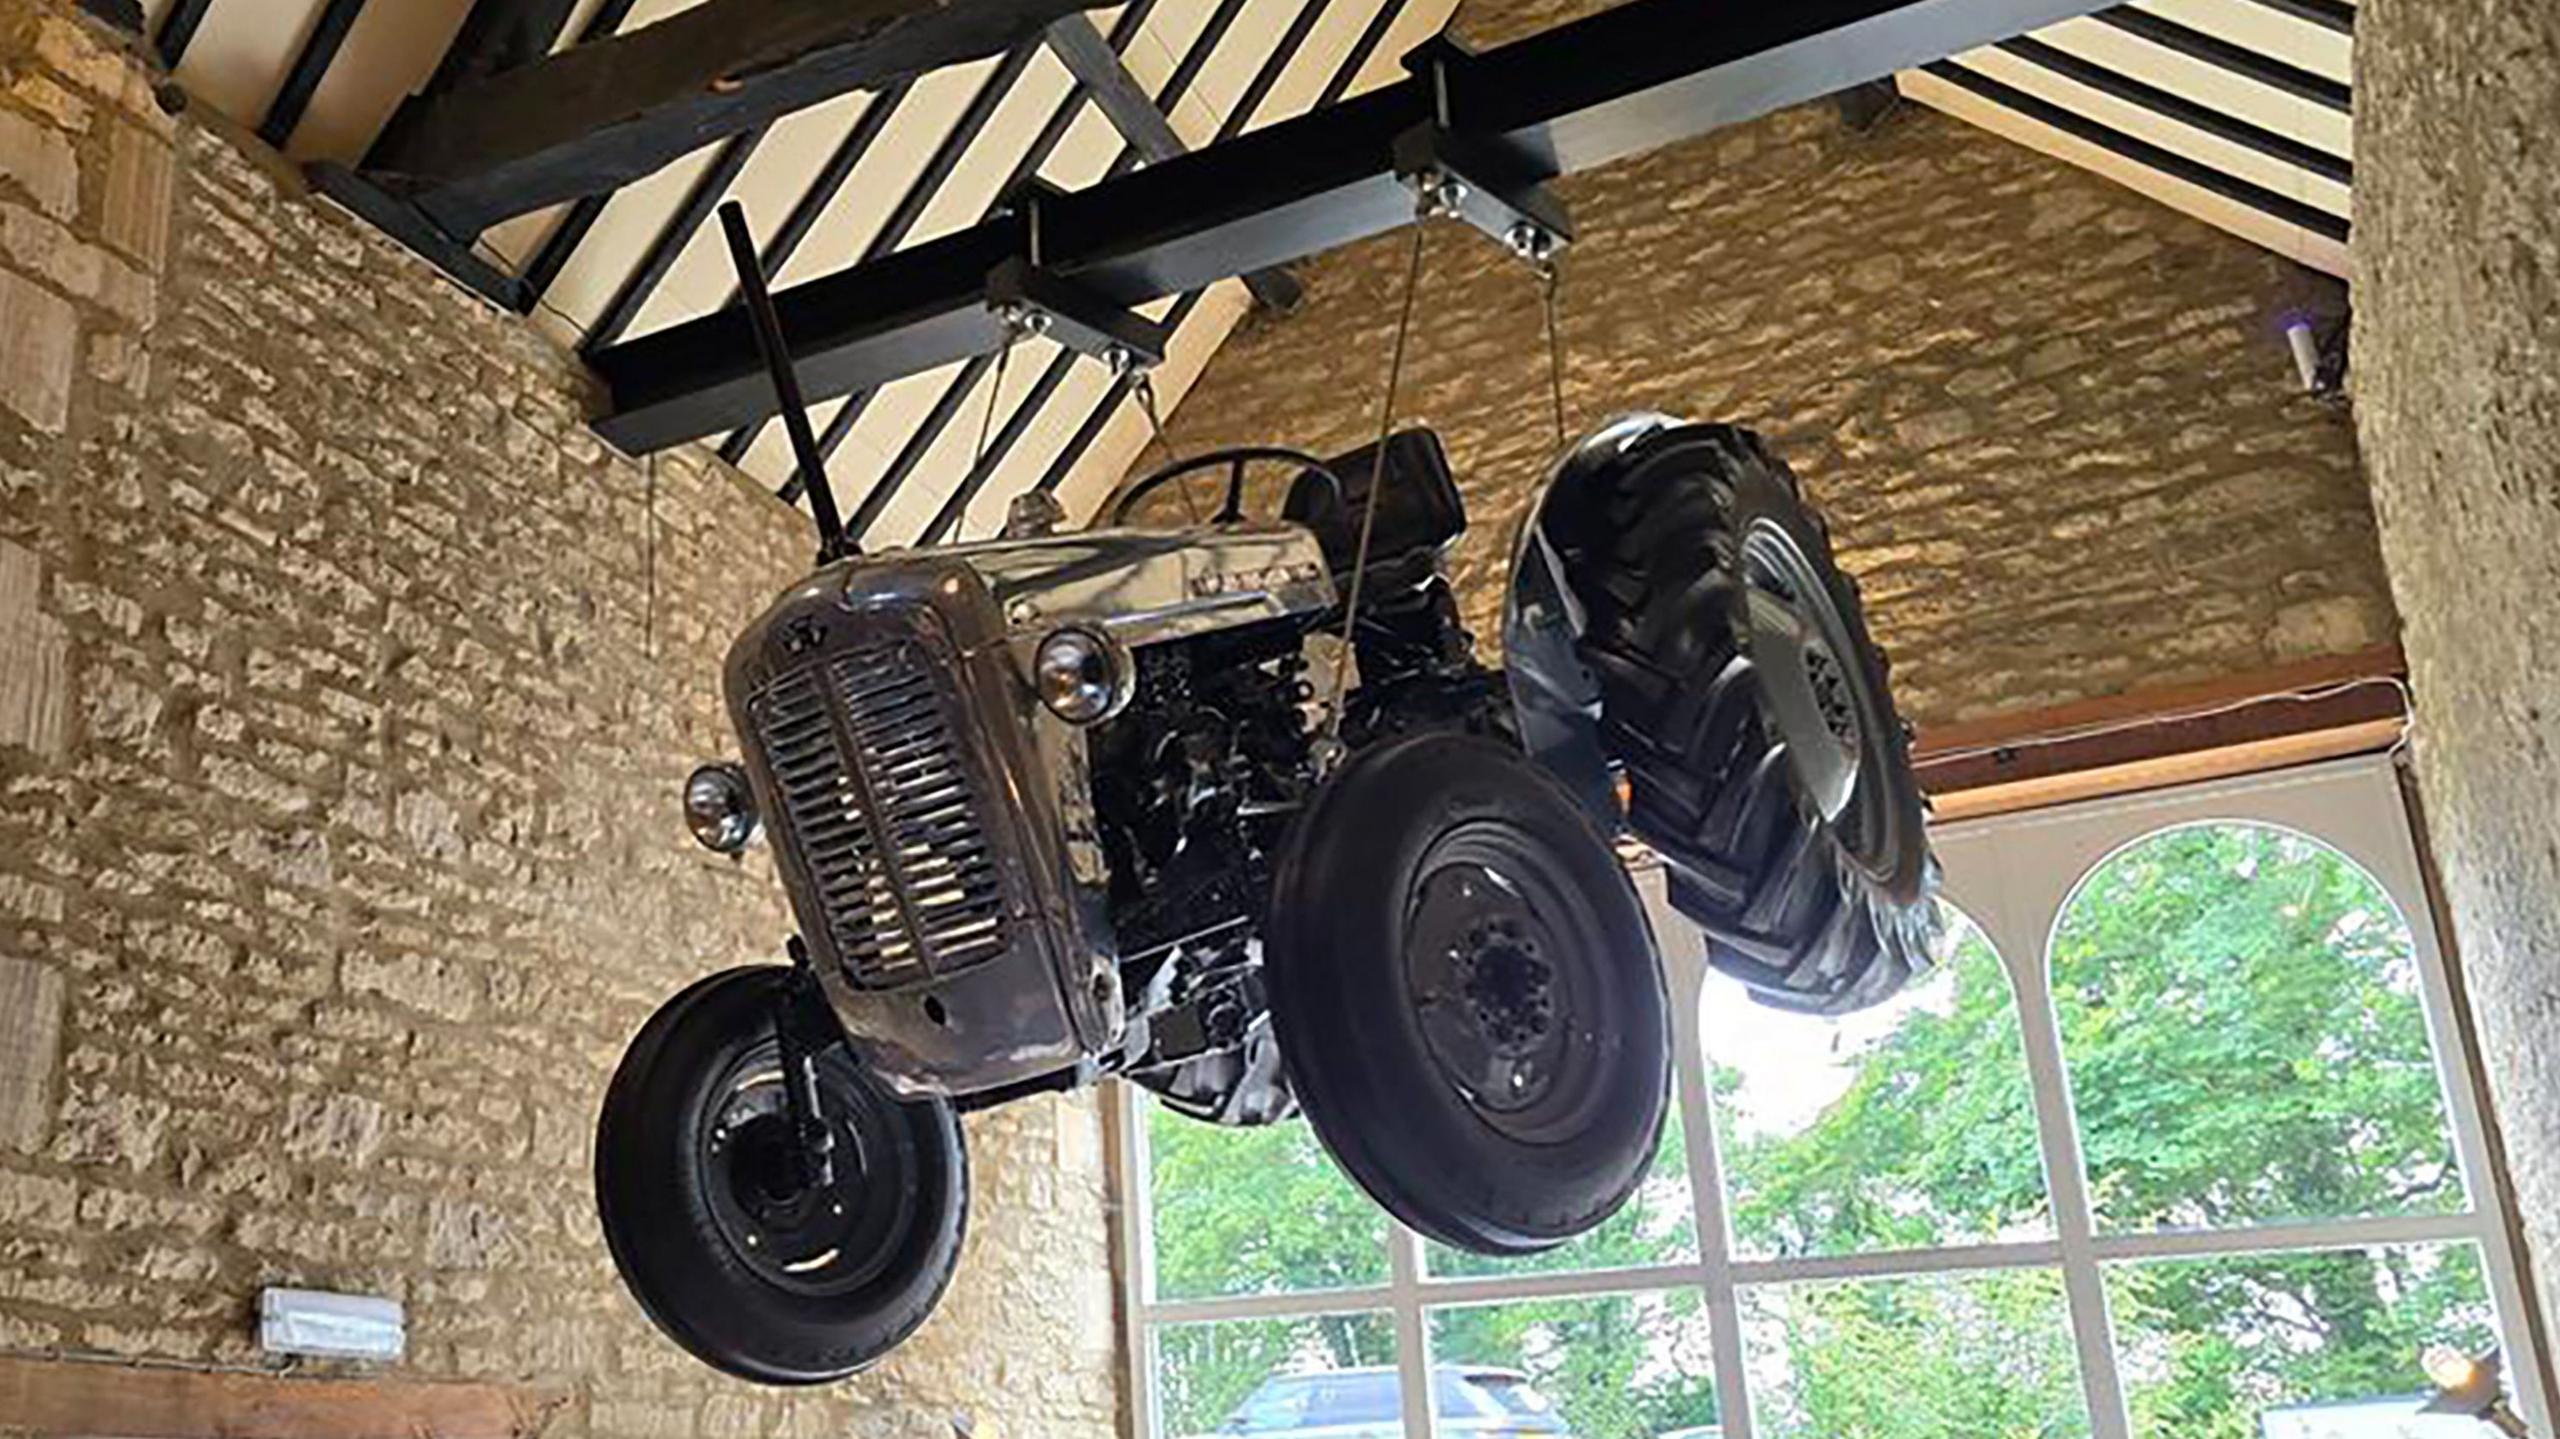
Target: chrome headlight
[
  {"x": 1083, "y": 675},
  {"x": 720, "y": 808}
]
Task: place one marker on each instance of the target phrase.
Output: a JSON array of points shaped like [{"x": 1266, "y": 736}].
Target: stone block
[
  {"x": 30, "y": 1045},
  {"x": 39, "y": 350},
  {"x": 35, "y": 659},
  {"x": 72, "y": 265},
  {"x": 39, "y": 161},
  {"x": 134, "y": 209}
]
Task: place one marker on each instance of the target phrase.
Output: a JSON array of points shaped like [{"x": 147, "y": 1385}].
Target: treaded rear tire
[{"x": 1813, "y": 916}]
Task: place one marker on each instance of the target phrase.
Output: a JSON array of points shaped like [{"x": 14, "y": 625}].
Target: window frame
[{"x": 2013, "y": 874}]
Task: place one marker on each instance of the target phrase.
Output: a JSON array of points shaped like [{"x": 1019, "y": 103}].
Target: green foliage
[
  {"x": 2239, "y": 1014},
  {"x": 1978, "y": 1356}
]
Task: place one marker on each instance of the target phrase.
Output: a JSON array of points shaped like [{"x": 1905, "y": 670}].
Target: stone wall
[
  {"x": 2457, "y": 360},
  {"x": 2054, "y": 425},
  {"x": 346, "y": 685}
]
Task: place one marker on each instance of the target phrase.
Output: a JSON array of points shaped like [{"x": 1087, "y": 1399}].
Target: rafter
[
  {"x": 600, "y": 115},
  {"x": 1595, "y": 90}
]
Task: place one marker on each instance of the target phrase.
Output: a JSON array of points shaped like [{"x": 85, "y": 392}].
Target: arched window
[
  {"x": 2240, "y": 1014},
  {"x": 2175, "y": 1142},
  {"x": 1908, "y": 1126}
]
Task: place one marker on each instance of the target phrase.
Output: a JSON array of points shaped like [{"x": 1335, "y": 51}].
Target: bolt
[
  {"x": 1119, "y": 360},
  {"x": 1531, "y": 242}
]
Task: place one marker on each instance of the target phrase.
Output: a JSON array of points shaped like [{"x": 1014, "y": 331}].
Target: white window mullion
[
  {"x": 1685, "y": 973},
  {"x": 2067, "y": 1184},
  {"x": 1413, "y": 1347},
  {"x": 1133, "y": 1217}
]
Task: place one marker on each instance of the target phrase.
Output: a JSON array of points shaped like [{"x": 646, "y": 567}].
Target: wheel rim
[
  {"x": 1500, "y": 981},
  {"x": 1801, "y": 648},
  {"x": 777, "y": 1221}
]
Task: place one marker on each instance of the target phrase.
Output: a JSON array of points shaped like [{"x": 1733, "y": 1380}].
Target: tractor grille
[{"x": 878, "y": 800}]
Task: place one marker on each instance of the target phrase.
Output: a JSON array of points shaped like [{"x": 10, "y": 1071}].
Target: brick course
[
  {"x": 338, "y": 843},
  {"x": 2053, "y": 424}
]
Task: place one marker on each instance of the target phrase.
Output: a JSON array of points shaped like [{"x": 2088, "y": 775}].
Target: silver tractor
[{"x": 1230, "y": 808}]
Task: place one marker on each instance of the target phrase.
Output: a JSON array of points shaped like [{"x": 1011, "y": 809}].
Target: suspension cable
[{"x": 1377, "y": 479}]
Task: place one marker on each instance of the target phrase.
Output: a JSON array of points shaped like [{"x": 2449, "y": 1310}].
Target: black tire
[
  {"x": 681, "y": 1179},
  {"x": 1818, "y": 902},
  {"x": 1440, "y": 896}
]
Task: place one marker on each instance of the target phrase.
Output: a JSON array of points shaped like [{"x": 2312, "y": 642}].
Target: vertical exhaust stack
[{"x": 833, "y": 543}]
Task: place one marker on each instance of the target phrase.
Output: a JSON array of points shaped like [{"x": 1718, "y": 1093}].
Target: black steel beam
[
  {"x": 699, "y": 201},
  {"x": 596, "y": 116},
  {"x": 1143, "y": 123},
  {"x": 948, "y": 405},
  {"x": 178, "y": 30},
  {"x": 310, "y": 64},
  {"x": 1061, "y": 118},
  {"x": 1581, "y": 95},
  {"x": 901, "y": 220},
  {"x": 2143, "y": 152}
]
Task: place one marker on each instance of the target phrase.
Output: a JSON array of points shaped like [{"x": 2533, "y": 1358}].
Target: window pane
[
  {"x": 1984, "y": 1356},
  {"x": 1658, "y": 1226},
  {"x": 1905, "y": 1126},
  {"x": 1255, "y": 1211},
  {"x": 2259, "y": 1346},
  {"x": 2240, "y": 1014},
  {"x": 1635, "y": 1367},
  {"x": 1334, "y": 1372}
]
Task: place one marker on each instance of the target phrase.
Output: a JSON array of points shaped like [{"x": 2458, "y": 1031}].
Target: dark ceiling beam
[
  {"x": 596, "y": 116},
  {"x": 178, "y": 30},
  {"x": 1186, "y": 70},
  {"x": 581, "y": 216},
  {"x": 1598, "y": 89},
  {"x": 928, "y": 431},
  {"x": 2142, "y": 152},
  {"x": 1144, "y": 124},
  {"x": 703, "y": 197},
  {"x": 497, "y": 36},
  {"x": 310, "y": 65},
  {"x": 901, "y": 220},
  {"x": 955, "y": 511},
  {"x": 2181, "y": 109},
  {"x": 1054, "y": 130},
  {"x": 2240, "y": 60}
]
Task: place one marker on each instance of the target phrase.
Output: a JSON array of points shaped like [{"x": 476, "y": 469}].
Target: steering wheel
[{"x": 1235, "y": 460}]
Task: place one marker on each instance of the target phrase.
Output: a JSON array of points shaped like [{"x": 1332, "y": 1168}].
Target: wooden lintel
[
  {"x": 599, "y": 115},
  {"x": 2150, "y": 739},
  {"x": 58, "y": 1399}
]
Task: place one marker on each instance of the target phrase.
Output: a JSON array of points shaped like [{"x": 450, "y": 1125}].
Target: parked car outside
[{"x": 1469, "y": 1400}]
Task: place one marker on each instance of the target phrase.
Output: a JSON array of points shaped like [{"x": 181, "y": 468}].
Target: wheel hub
[
  {"x": 1797, "y": 636},
  {"x": 766, "y": 1201},
  {"x": 1485, "y": 990}
]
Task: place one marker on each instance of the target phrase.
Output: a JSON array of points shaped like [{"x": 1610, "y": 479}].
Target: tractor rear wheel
[{"x": 1740, "y": 690}]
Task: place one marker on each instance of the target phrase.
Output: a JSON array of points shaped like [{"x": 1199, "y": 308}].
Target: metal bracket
[
  {"x": 1480, "y": 181},
  {"x": 1029, "y": 301}
]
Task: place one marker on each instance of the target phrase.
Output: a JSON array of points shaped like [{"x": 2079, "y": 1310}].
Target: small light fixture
[
  {"x": 2470, "y": 1386},
  {"x": 720, "y": 808},
  {"x": 2305, "y": 344},
  {"x": 1082, "y": 675},
  {"x": 335, "y": 1326}
]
